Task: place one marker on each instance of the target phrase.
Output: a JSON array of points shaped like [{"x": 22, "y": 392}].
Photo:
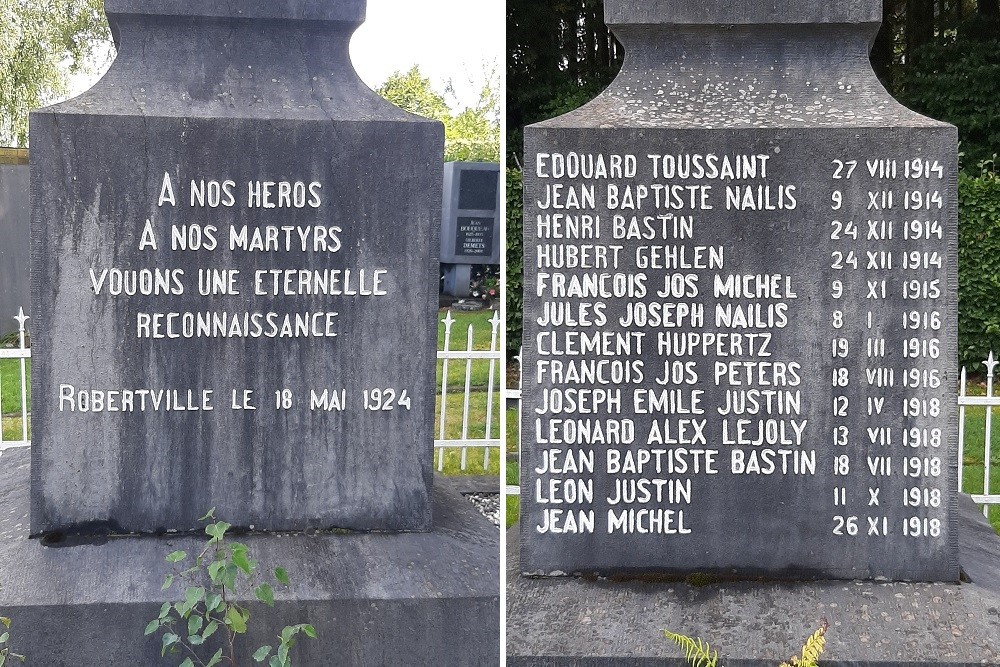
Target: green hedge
[
  {"x": 515, "y": 261},
  {"x": 978, "y": 268}
]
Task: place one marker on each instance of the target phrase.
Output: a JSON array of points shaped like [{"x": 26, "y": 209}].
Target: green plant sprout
[
  {"x": 699, "y": 654},
  {"x": 188, "y": 623},
  {"x": 5, "y": 652}
]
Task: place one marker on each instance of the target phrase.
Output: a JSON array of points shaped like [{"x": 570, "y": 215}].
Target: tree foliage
[
  {"x": 560, "y": 54},
  {"x": 42, "y": 43},
  {"x": 515, "y": 261},
  {"x": 471, "y": 135},
  {"x": 978, "y": 267},
  {"x": 956, "y": 78}
]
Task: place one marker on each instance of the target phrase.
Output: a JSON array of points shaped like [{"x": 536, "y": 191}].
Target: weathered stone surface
[
  {"x": 605, "y": 623},
  {"x": 740, "y": 264},
  {"x": 716, "y": 12},
  {"x": 375, "y": 599},
  {"x": 210, "y": 95}
]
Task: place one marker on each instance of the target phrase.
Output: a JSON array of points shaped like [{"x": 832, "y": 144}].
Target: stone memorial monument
[
  {"x": 740, "y": 350},
  {"x": 235, "y": 291}
]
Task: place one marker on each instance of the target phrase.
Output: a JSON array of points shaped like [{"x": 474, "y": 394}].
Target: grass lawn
[
  {"x": 513, "y": 472},
  {"x": 975, "y": 451},
  {"x": 12, "y": 429},
  {"x": 10, "y": 385},
  {"x": 475, "y": 456}
]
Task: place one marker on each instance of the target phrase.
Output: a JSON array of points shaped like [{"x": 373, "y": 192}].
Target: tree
[
  {"x": 472, "y": 134},
  {"x": 43, "y": 42}
]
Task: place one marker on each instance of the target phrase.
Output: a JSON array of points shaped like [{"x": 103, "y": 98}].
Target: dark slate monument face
[
  {"x": 740, "y": 308},
  {"x": 234, "y": 279}
]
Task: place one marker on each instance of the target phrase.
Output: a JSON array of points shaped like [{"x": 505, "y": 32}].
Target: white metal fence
[
  {"x": 471, "y": 399},
  {"x": 452, "y": 433},
  {"x": 21, "y": 353},
  {"x": 989, "y": 401}
]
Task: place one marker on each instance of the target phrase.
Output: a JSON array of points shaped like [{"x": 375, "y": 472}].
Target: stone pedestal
[
  {"x": 561, "y": 622},
  {"x": 375, "y": 599}
]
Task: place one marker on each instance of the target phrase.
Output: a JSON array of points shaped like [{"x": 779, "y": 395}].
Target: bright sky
[{"x": 461, "y": 41}]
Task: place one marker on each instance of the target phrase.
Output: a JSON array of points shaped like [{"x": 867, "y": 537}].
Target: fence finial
[{"x": 990, "y": 365}]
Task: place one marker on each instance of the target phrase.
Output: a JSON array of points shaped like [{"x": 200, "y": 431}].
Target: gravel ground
[{"x": 488, "y": 505}]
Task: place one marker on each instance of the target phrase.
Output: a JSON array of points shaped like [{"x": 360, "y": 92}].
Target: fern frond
[
  {"x": 814, "y": 648},
  {"x": 696, "y": 652},
  {"x": 812, "y": 651}
]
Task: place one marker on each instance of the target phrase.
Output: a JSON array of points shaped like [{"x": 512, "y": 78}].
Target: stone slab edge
[
  {"x": 375, "y": 599},
  {"x": 598, "y": 623}
]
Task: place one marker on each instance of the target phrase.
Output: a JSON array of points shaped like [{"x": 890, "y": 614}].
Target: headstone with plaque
[
  {"x": 739, "y": 350},
  {"x": 471, "y": 230},
  {"x": 14, "y": 229},
  {"x": 235, "y": 279},
  {"x": 740, "y": 332}
]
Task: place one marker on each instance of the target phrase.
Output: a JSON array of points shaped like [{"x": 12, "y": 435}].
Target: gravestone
[
  {"x": 740, "y": 314},
  {"x": 14, "y": 275},
  {"x": 235, "y": 287},
  {"x": 470, "y": 226},
  {"x": 235, "y": 272}
]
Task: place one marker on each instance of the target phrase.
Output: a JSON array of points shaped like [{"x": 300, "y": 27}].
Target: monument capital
[{"x": 722, "y": 12}]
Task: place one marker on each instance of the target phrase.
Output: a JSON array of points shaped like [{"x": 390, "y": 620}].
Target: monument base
[
  {"x": 375, "y": 599},
  {"x": 602, "y": 623}
]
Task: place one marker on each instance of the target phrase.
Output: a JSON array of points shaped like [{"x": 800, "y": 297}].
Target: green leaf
[
  {"x": 241, "y": 559},
  {"x": 281, "y": 575},
  {"x": 187, "y": 663},
  {"x": 216, "y": 659},
  {"x": 165, "y": 610},
  {"x": 309, "y": 630},
  {"x": 213, "y": 601},
  {"x": 152, "y": 627},
  {"x": 274, "y": 662},
  {"x": 261, "y": 654},
  {"x": 193, "y": 595},
  {"x": 169, "y": 639},
  {"x": 5, "y": 621},
  {"x": 176, "y": 556},
  {"x": 215, "y": 571},
  {"x": 217, "y": 531},
  {"x": 265, "y": 594},
  {"x": 235, "y": 620},
  {"x": 209, "y": 515},
  {"x": 168, "y": 581},
  {"x": 195, "y": 624},
  {"x": 210, "y": 630}
]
